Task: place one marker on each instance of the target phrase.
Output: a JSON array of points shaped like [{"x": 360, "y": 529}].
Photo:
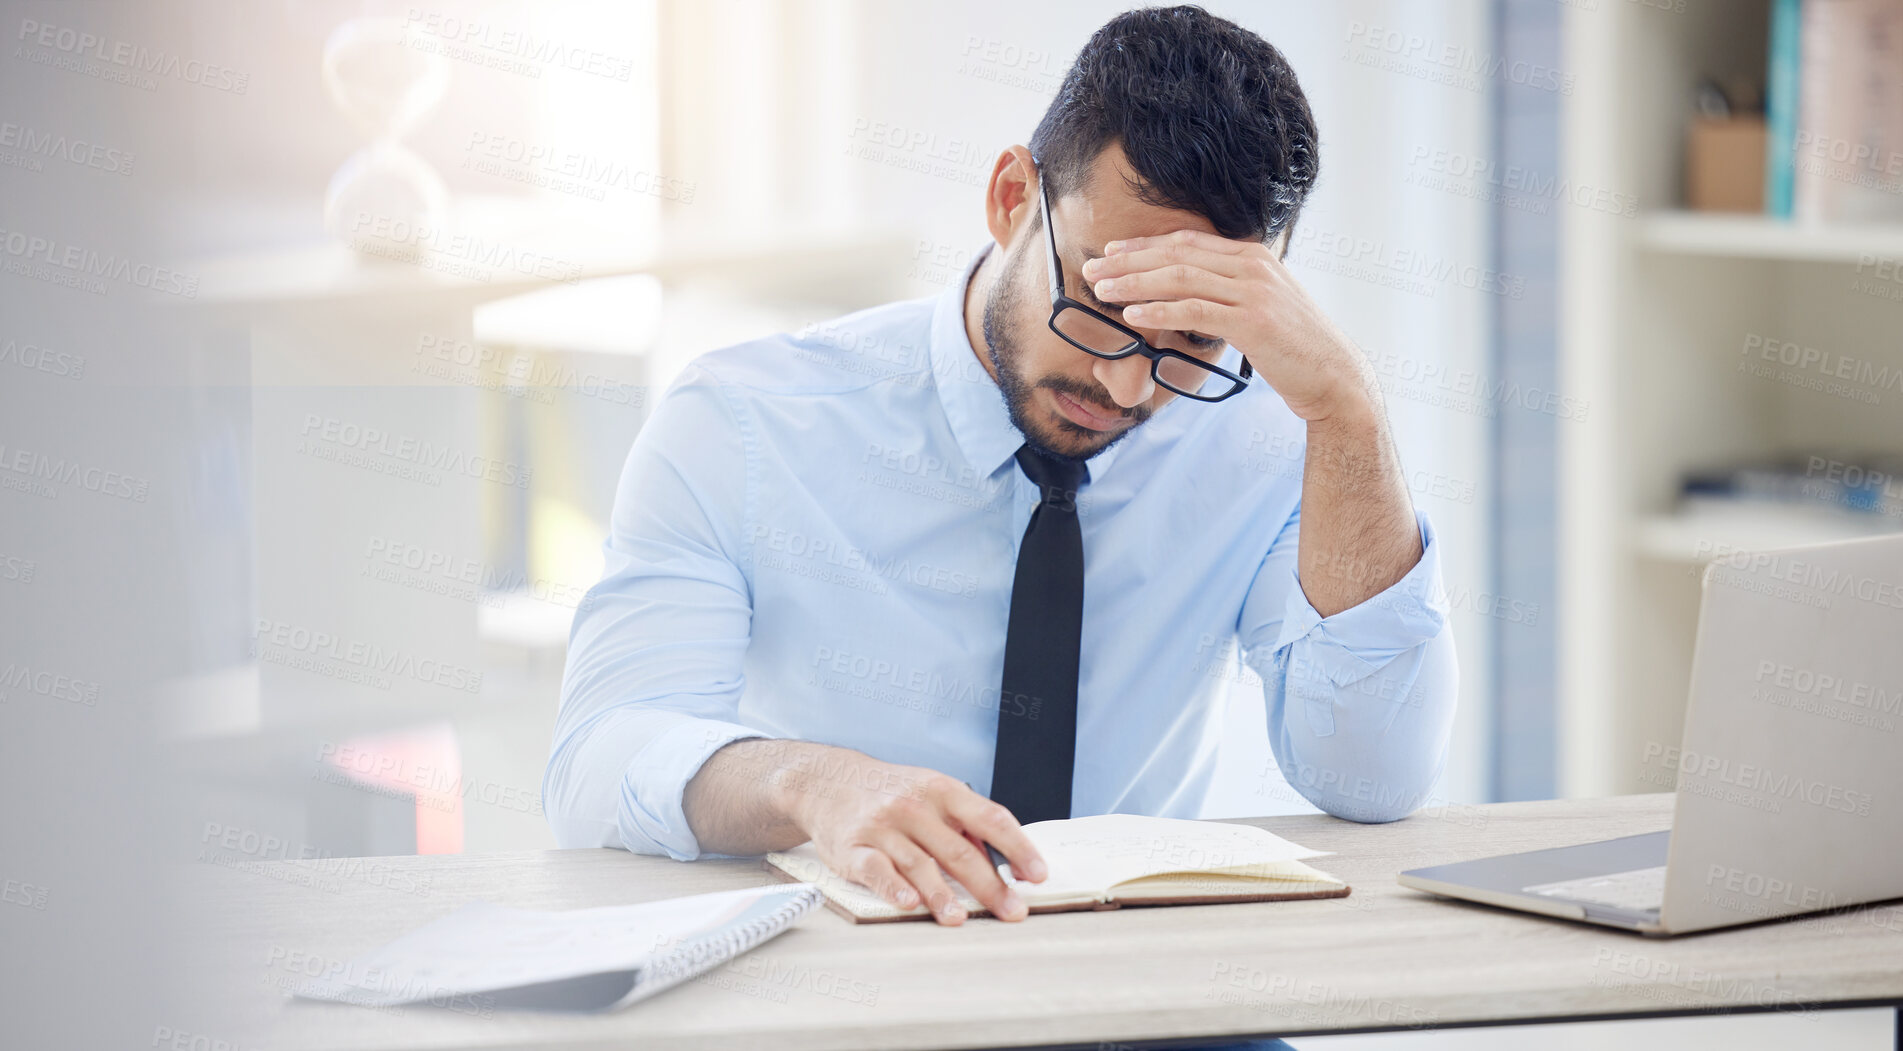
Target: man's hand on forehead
[
  {"x": 1159, "y": 269},
  {"x": 1241, "y": 291}
]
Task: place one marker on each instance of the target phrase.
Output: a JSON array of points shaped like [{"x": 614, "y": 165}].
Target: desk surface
[{"x": 1384, "y": 958}]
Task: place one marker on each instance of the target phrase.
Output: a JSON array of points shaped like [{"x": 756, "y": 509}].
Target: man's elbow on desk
[
  {"x": 1368, "y": 801},
  {"x": 1374, "y": 751},
  {"x": 1372, "y": 789}
]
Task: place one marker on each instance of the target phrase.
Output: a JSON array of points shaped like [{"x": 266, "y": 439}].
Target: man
[{"x": 907, "y": 581}]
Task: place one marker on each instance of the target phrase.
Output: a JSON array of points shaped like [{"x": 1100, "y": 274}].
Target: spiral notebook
[{"x": 483, "y": 956}]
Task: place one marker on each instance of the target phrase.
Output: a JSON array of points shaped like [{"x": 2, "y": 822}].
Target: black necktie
[{"x": 1037, "y": 701}]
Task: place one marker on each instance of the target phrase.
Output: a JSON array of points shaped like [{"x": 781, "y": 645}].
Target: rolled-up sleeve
[
  {"x": 655, "y": 659},
  {"x": 1361, "y": 703}
]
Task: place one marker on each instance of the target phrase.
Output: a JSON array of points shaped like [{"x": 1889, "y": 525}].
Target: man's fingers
[
  {"x": 970, "y": 866},
  {"x": 1175, "y": 281},
  {"x": 870, "y": 868},
  {"x": 921, "y": 870},
  {"x": 1192, "y": 238},
  {"x": 1183, "y": 315},
  {"x": 1156, "y": 257},
  {"x": 993, "y": 823}
]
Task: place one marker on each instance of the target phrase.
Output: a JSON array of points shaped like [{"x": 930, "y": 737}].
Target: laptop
[{"x": 1789, "y": 770}]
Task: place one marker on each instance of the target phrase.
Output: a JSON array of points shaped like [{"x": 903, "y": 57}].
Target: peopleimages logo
[
  {"x": 1514, "y": 179},
  {"x": 49, "y": 684},
  {"x": 1759, "y": 779},
  {"x": 1659, "y": 975},
  {"x": 289, "y": 642},
  {"x": 1334, "y": 252},
  {"x": 59, "y": 470},
  {"x": 1302, "y": 999},
  {"x": 429, "y": 784},
  {"x": 458, "y": 254},
  {"x": 17, "y": 569},
  {"x": 371, "y": 985},
  {"x": 477, "y": 38},
  {"x": 1866, "y": 488},
  {"x": 568, "y": 171},
  {"x": 41, "y": 359},
  {"x": 844, "y": 555},
  {"x": 1829, "y": 687},
  {"x": 1456, "y": 65},
  {"x": 36, "y": 143},
  {"x": 82, "y": 267},
  {"x": 418, "y": 452},
  {"x": 1810, "y": 580},
  {"x": 127, "y": 58},
  {"x": 1828, "y": 366},
  {"x": 1769, "y": 890},
  {"x": 434, "y": 570},
  {"x": 920, "y": 682}
]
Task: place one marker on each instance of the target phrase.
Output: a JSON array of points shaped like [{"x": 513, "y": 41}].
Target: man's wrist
[
  {"x": 1343, "y": 388},
  {"x": 794, "y": 784},
  {"x": 1353, "y": 406},
  {"x": 786, "y": 789}
]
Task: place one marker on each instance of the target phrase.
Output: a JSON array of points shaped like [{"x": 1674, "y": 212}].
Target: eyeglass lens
[{"x": 1092, "y": 334}]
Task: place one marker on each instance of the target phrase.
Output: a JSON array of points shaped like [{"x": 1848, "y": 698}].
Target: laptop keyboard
[{"x": 1640, "y": 890}]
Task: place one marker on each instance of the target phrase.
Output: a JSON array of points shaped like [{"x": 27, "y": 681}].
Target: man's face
[{"x": 1066, "y": 402}]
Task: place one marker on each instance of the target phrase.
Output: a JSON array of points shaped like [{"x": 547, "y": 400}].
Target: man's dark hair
[{"x": 1208, "y": 113}]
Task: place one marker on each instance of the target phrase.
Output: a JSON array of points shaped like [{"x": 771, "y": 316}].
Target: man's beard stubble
[{"x": 1001, "y": 306}]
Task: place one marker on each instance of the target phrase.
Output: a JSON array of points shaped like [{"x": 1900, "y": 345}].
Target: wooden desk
[{"x": 1385, "y": 958}]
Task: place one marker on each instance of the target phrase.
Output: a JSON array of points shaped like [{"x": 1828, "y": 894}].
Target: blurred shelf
[
  {"x": 1759, "y": 237},
  {"x": 221, "y": 706},
  {"x": 1653, "y": 351},
  {"x": 1709, "y": 529},
  {"x": 526, "y": 623},
  {"x": 328, "y": 272},
  {"x": 604, "y": 315},
  {"x": 493, "y": 248}
]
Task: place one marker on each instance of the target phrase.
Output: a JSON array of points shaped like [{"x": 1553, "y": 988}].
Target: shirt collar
[{"x": 973, "y": 403}]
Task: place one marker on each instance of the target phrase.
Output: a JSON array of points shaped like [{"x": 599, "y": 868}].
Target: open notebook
[{"x": 1108, "y": 861}]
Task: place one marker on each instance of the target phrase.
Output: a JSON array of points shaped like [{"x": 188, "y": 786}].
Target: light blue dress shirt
[{"x": 815, "y": 537}]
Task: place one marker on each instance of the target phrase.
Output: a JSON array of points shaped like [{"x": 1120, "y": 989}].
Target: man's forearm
[
  {"x": 740, "y": 802},
  {"x": 1359, "y": 535},
  {"x": 893, "y": 828},
  {"x": 754, "y": 795}
]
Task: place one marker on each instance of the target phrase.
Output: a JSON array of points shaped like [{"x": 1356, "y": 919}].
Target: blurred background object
[
  {"x": 386, "y": 88},
  {"x": 1724, "y": 162}
]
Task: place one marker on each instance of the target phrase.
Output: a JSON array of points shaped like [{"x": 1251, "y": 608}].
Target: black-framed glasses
[{"x": 1098, "y": 335}]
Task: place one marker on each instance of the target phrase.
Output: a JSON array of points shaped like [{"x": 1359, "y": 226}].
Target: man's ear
[{"x": 1010, "y": 196}]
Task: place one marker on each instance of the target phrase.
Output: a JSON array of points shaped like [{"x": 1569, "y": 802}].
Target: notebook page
[
  {"x": 1278, "y": 877},
  {"x": 803, "y": 863},
  {"x": 1095, "y": 853}
]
